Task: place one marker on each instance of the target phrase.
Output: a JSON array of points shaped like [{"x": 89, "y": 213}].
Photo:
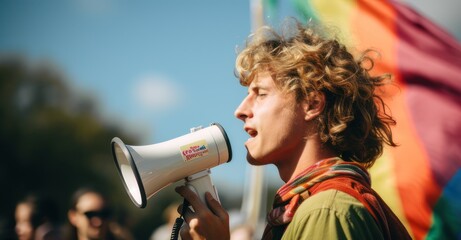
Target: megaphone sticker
[{"x": 194, "y": 150}]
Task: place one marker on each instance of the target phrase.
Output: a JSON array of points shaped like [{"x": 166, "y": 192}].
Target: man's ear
[{"x": 314, "y": 104}]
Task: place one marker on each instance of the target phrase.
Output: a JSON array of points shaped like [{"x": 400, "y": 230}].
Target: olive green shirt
[{"x": 332, "y": 214}]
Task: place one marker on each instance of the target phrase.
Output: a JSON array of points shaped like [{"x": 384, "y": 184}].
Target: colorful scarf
[{"x": 293, "y": 193}]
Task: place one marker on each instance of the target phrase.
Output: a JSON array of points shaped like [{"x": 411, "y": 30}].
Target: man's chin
[{"x": 251, "y": 160}]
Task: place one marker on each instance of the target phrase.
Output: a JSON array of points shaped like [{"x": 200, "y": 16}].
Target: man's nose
[{"x": 243, "y": 111}]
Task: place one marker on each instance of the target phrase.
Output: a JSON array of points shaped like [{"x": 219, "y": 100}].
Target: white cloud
[
  {"x": 156, "y": 93},
  {"x": 95, "y": 7}
]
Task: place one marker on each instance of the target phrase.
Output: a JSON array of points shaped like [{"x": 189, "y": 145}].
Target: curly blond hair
[{"x": 354, "y": 121}]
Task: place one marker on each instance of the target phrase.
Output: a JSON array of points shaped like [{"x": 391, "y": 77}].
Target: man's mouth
[{"x": 251, "y": 132}]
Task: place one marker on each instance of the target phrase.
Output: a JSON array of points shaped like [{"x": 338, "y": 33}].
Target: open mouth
[{"x": 252, "y": 133}]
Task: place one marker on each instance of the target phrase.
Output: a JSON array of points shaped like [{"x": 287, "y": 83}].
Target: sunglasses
[{"x": 103, "y": 214}]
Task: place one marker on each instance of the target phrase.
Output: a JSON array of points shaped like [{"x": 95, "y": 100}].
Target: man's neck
[{"x": 312, "y": 152}]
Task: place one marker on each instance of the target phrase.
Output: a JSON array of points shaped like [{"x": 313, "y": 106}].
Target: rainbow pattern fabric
[{"x": 421, "y": 179}]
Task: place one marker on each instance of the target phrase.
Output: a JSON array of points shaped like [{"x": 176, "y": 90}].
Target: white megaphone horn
[{"x": 147, "y": 169}]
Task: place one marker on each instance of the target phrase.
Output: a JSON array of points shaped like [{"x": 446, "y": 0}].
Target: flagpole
[
  {"x": 255, "y": 194},
  {"x": 257, "y": 17}
]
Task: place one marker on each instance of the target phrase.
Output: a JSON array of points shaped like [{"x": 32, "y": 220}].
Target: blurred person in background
[
  {"x": 170, "y": 214},
  {"x": 37, "y": 219},
  {"x": 91, "y": 217}
]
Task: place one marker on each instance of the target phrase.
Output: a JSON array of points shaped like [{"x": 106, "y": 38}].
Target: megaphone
[{"x": 147, "y": 169}]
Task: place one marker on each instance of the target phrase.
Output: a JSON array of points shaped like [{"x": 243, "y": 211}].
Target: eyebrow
[{"x": 258, "y": 86}]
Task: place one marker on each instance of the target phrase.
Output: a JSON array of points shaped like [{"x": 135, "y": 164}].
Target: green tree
[{"x": 52, "y": 140}]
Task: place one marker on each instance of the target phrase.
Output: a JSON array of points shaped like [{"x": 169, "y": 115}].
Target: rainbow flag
[{"x": 420, "y": 179}]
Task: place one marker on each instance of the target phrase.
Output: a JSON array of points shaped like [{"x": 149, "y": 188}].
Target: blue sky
[{"x": 157, "y": 68}]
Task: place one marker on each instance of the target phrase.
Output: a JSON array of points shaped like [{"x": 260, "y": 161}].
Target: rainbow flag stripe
[{"x": 420, "y": 179}]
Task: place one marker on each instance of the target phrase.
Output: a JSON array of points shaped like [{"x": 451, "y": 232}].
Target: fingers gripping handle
[{"x": 201, "y": 183}]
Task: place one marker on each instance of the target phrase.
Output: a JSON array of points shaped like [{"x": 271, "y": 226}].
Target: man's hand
[{"x": 207, "y": 221}]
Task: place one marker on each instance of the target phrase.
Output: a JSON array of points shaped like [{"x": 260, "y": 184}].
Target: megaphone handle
[{"x": 201, "y": 183}]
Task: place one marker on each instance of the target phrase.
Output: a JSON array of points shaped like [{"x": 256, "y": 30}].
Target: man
[{"x": 312, "y": 111}]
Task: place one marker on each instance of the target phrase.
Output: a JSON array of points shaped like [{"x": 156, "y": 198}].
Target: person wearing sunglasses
[{"x": 90, "y": 216}]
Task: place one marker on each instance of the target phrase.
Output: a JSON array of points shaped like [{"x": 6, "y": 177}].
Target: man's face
[
  {"x": 274, "y": 121},
  {"x": 90, "y": 217}
]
